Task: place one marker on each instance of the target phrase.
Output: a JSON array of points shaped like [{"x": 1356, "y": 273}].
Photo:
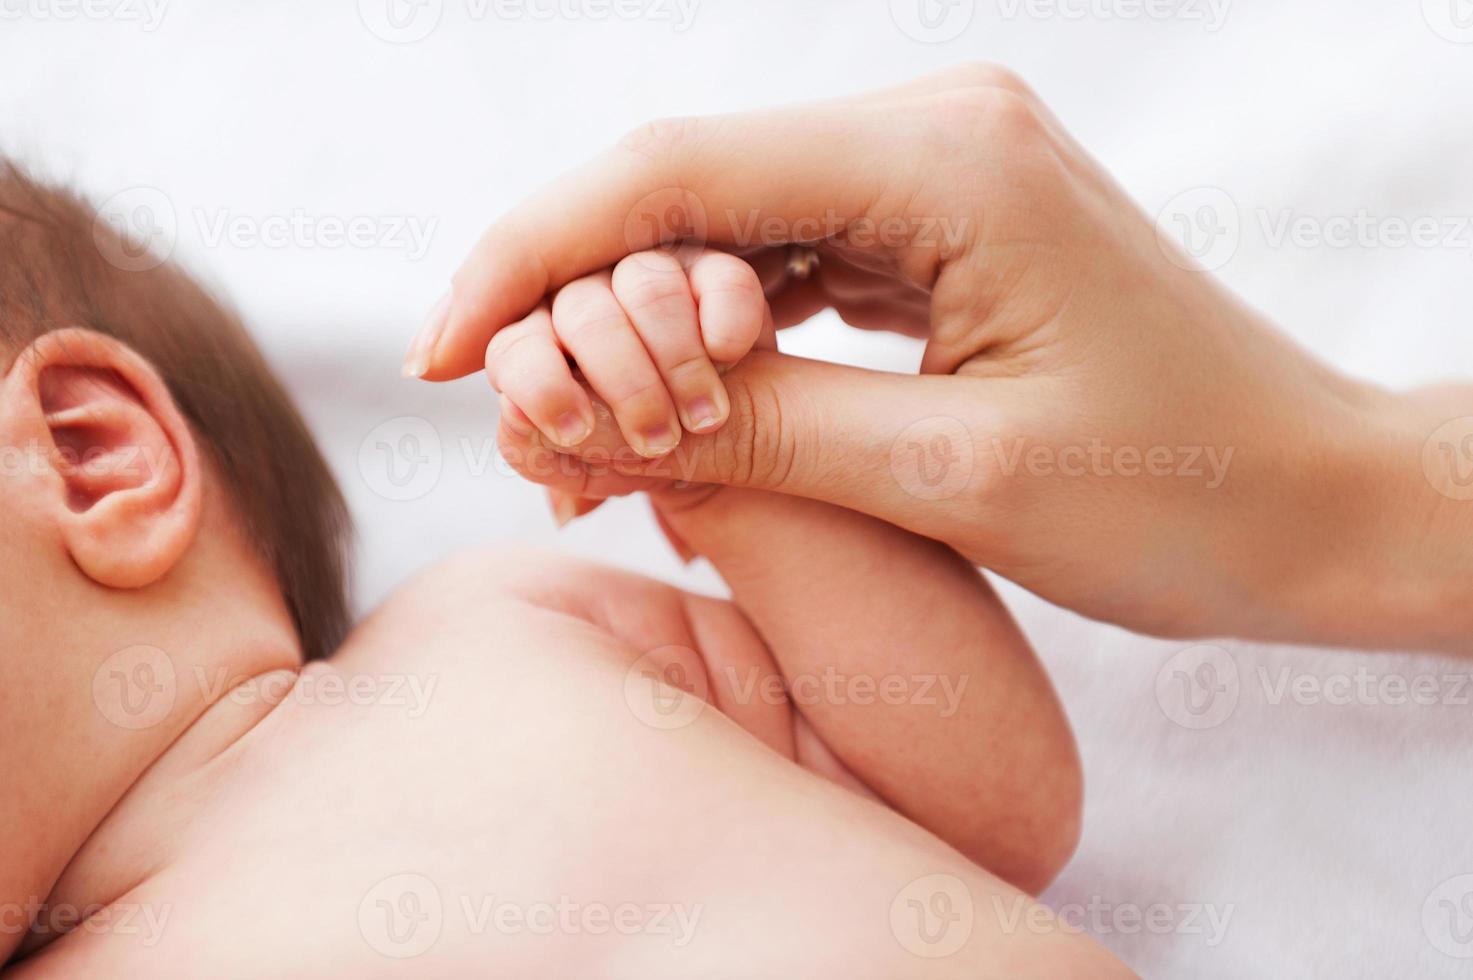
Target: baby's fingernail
[
  {"x": 564, "y": 507},
  {"x": 417, "y": 361},
  {"x": 702, "y": 414},
  {"x": 657, "y": 441},
  {"x": 572, "y": 429}
]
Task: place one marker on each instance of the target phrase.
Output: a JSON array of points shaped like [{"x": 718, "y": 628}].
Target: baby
[{"x": 602, "y": 775}]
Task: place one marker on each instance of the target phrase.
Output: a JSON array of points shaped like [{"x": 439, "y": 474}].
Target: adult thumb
[{"x": 909, "y": 449}]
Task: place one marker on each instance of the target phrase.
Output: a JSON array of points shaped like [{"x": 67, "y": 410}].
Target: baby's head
[
  {"x": 168, "y": 529},
  {"x": 161, "y": 373}
]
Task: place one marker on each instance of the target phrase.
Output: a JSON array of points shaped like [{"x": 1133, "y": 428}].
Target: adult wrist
[{"x": 1400, "y": 563}]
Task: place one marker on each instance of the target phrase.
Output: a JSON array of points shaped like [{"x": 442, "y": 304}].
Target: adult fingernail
[
  {"x": 422, "y": 350},
  {"x": 657, "y": 441},
  {"x": 564, "y": 507},
  {"x": 572, "y": 429}
]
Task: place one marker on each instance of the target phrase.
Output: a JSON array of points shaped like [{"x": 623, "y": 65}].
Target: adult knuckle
[
  {"x": 986, "y": 117},
  {"x": 662, "y": 140},
  {"x": 989, "y": 74}
]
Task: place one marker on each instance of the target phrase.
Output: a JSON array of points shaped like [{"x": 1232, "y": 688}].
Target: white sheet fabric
[{"x": 1291, "y": 838}]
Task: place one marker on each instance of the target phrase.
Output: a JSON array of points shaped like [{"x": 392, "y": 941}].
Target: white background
[{"x": 1323, "y": 831}]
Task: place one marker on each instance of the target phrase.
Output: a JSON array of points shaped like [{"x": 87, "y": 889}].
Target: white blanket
[{"x": 1293, "y": 838}]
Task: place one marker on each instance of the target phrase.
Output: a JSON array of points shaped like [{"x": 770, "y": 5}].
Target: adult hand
[{"x": 1096, "y": 419}]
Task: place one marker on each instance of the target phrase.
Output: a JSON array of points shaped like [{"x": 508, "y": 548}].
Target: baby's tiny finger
[
  {"x": 733, "y": 306},
  {"x": 656, "y": 295},
  {"x": 593, "y": 328},
  {"x": 525, "y": 364}
]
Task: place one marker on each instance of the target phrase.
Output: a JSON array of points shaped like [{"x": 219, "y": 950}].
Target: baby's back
[{"x": 489, "y": 797}]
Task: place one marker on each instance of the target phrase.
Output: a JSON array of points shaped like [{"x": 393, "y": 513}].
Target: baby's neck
[{"x": 133, "y": 840}]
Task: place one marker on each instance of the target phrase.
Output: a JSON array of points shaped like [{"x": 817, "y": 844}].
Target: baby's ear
[{"x": 123, "y": 467}]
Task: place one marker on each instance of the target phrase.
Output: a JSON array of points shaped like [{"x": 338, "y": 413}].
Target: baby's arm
[
  {"x": 904, "y": 667},
  {"x": 905, "y": 677}
]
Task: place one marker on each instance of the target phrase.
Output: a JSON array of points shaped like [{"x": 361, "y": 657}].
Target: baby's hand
[{"x": 646, "y": 336}]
